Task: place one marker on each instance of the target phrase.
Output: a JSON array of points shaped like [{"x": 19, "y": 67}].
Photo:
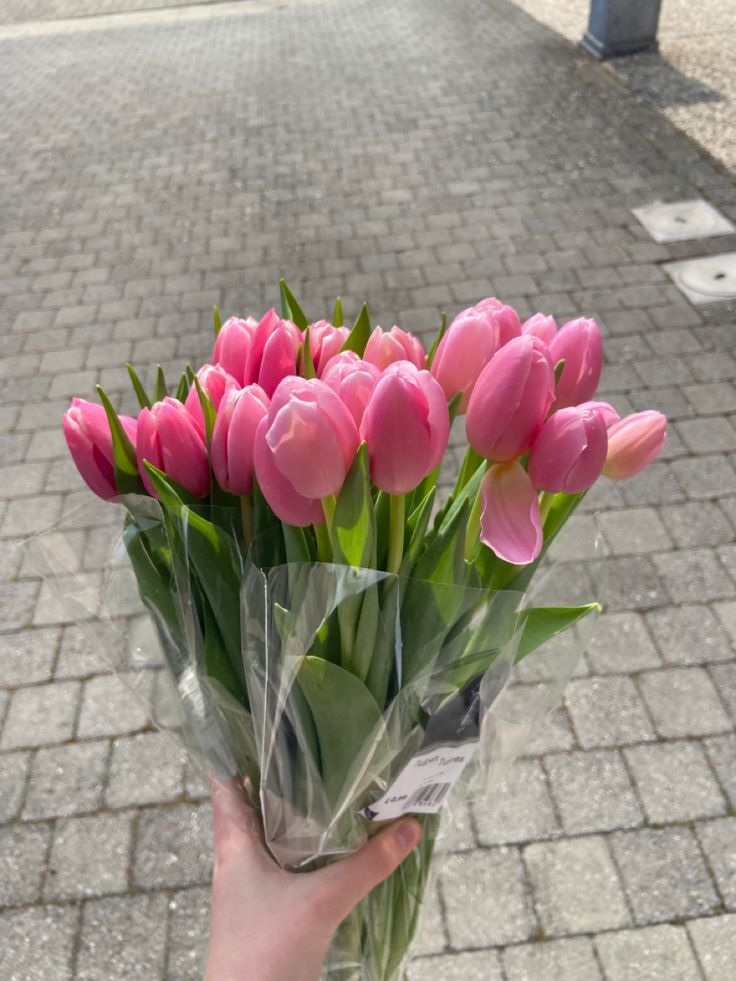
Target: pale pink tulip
[
  {"x": 215, "y": 381},
  {"x": 273, "y": 352},
  {"x": 232, "y": 346},
  {"x": 569, "y": 453},
  {"x": 511, "y": 522},
  {"x": 509, "y": 325},
  {"x": 510, "y": 400},
  {"x": 541, "y": 326},
  {"x": 577, "y": 343},
  {"x": 386, "y": 347},
  {"x": 353, "y": 380},
  {"x": 89, "y": 439},
  {"x": 325, "y": 342},
  {"x": 233, "y": 438},
  {"x": 633, "y": 443},
  {"x": 169, "y": 438},
  {"x": 406, "y": 425},
  {"x": 468, "y": 345}
]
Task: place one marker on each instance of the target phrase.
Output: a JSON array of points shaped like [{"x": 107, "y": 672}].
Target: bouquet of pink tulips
[{"x": 337, "y": 632}]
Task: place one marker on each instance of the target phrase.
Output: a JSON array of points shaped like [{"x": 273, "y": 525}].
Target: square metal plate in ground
[
  {"x": 705, "y": 280},
  {"x": 683, "y": 220}
]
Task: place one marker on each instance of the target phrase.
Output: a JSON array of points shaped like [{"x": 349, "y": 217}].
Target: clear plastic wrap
[{"x": 322, "y": 685}]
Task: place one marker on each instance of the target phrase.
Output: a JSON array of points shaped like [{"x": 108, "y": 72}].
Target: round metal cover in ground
[
  {"x": 706, "y": 280},
  {"x": 683, "y": 220}
]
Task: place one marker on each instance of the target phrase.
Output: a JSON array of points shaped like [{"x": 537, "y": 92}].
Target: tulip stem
[
  {"x": 397, "y": 517},
  {"x": 472, "y": 534},
  {"x": 545, "y": 505},
  {"x": 324, "y": 551},
  {"x": 246, "y": 517},
  {"x": 328, "y": 509}
]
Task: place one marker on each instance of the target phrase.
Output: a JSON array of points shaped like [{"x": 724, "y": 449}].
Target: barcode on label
[{"x": 429, "y": 796}]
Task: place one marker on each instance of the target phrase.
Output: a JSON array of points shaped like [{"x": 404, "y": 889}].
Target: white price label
[{"x": 424, "y": 784}]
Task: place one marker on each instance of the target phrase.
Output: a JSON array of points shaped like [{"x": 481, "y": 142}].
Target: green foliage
[{"x": 359, "y": 334}]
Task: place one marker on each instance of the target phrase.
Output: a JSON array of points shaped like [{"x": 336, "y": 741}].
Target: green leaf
[
  {"x": 438, "y": 337},
  {"x": 127, "y": 477},
  {"x": 208, "y": 410},
  {"x": 168, "y": 490},
  {"x": 543, "y": 622},
  {"x": 140, "y": 392},
  {"x": 358, "y": 336},
  {"x": 290, "y": 309},
  {"x": 417, "y": 525},
  {"x": 217, "y": 663},
  {"x": 295, "y": 540},
  {"x": 182, "y": 389},
  {"x": 337, "y": 313},
  {"x": 453, "y": 406},
  {"x": 307, "y": 363},
  {"x": 160, "y": 391},
  {"x": 382, "y": 510},
  {"x": 559, "y": 368},
  {"x": 217, "y": 319},
  {"x": 335, "y": 696},
  {"x": 353, "y": 531}
]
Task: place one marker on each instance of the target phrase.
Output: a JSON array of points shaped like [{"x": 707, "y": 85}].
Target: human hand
[{"x": 271, "y": 925}]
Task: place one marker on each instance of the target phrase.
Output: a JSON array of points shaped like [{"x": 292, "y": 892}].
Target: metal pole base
[{"x": 621, "y": 27}]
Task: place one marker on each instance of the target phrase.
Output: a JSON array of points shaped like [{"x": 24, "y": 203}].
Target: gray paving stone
[
  {"x": 724, "y": 676},
  {"x": 482, "y": 965},
  {"x": 694, "y": 576},
  {"x": 14, "y": 769},
  {"x": 607, "y": 712},
  {"x": 675, "y": 782},
  {"x": 27, "y": 657},
  {"x": 145, "y": 769},
  {"x": 123, "y": 937},
  {"x": 66, "y": 780},
  {"x": 719, "y": 843},
  {"x": 466, "y": 879},
  {"x": 520, "y": 808},
  {"x": 570, "y": 959},
  {"x": 721, "y": 752},
  {"x": 706, "y": 477},
  {"x": 189, "y": 917},
  {"x": 655, "y": 485},
  {"x": 633, "y": 583},
  {"x": 22, "y": 862},
  {"x": 38, "y": 943},
  {"x": 39, "y": 715},
  {"x": 664, "y": 874},
  {"x": 714, "y": 939},
  {"x": 683, "y": 702},
  {"x": 173, "y": 848},
  {"x": 593, "y": 791},
  {"x": 708, "y": 435},
  {"x": 620, "y": 643},
  {"x": 431, "y": 936},
  {"x": 80, "y": 655},
  {"x": 89, "y": 857},
  {"x": 658, "y": 953},
  {"x": 689, "y": 635},
  {"x": 696, "y": 524},
  {"x": 576, "y": 886},
  {"x": 110, "y": 707},
  {"x": 17, "y": 601},
  {"x": 634, "y": 531}
]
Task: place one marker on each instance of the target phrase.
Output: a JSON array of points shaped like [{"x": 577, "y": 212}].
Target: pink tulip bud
[
  {"x": 88, "y": 437},
  {"x": 633, "y": 443},
  {"x": 353, "y": 380},
  {"x": 511, "y": 522},
  {"x": 468, "y": 345},
  {"x": 169, "y": 438},
  {"x": 215, "y": 381},
  {"x": 569, "y": 453},
  {"x": 541, "y": 326},
  {"x": 325, "y": 342},
  {"x": 386, "y": 347},
  {"x": 273, "y": 352},
  {"x": 509, "y": 325},
  {"x": 577, "y": 343},
  {"x": 234, "y": 435},
  {"x": 607, "y": 411},
  {"x": 232, "y": 346},
  {"x": 305, "y": 447},
  {"x": 510, "y": 400},
  {"x": 406, "y": 425}
]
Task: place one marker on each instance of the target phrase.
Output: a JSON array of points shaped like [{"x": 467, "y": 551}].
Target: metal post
[{"x": 621, "y": 27}]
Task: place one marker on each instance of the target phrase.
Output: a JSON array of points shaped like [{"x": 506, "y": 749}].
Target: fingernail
[{"x": 408, "y": 833}]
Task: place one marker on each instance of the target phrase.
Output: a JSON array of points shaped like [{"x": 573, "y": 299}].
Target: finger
[
  {"x": 234, "y": 819},
  {"x": 345, "y": 883}
]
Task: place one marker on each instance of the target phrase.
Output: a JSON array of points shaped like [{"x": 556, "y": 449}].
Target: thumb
[{"x": 346, "y": 882}]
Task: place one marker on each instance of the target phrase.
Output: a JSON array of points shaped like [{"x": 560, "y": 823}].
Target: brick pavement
[{"x": 418, "y": 154}]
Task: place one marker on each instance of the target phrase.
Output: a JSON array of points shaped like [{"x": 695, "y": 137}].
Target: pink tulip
[
  {"x": 234, "y": 435},
  {"x": 169, "y": 438},
  {"x": 232, "y": 346},
  {"x": 541, "y": 326},
  {"x": 577, "y": 343},
  {"x": 88, "y": 437},
  {"x": 353, "y": 380},
  {"x": 607, "y": 411},
  {"x": 215, "y": 381},
  {"x": 509, "y": 325},
  {"x": 569, "y": 453},
  {"x": 305, "y": 446},
  {"x": 406, "y": 425},
  {"x": 386, "y": 347},
  {"x": 468, "y": 345},
  {"x": 510, "y": 400},
  {"x": 325, "y": 342},
  {"x": 633, "y": 443},
  {"x": 273, "y": 352},
  {"x": 511, "y": 522}
]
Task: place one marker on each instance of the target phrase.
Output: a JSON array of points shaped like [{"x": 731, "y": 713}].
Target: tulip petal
[
  {"x": 284, "y": 501},
  {"x": 307, "y": 448},
  {"x": 511, "y": 523}
]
